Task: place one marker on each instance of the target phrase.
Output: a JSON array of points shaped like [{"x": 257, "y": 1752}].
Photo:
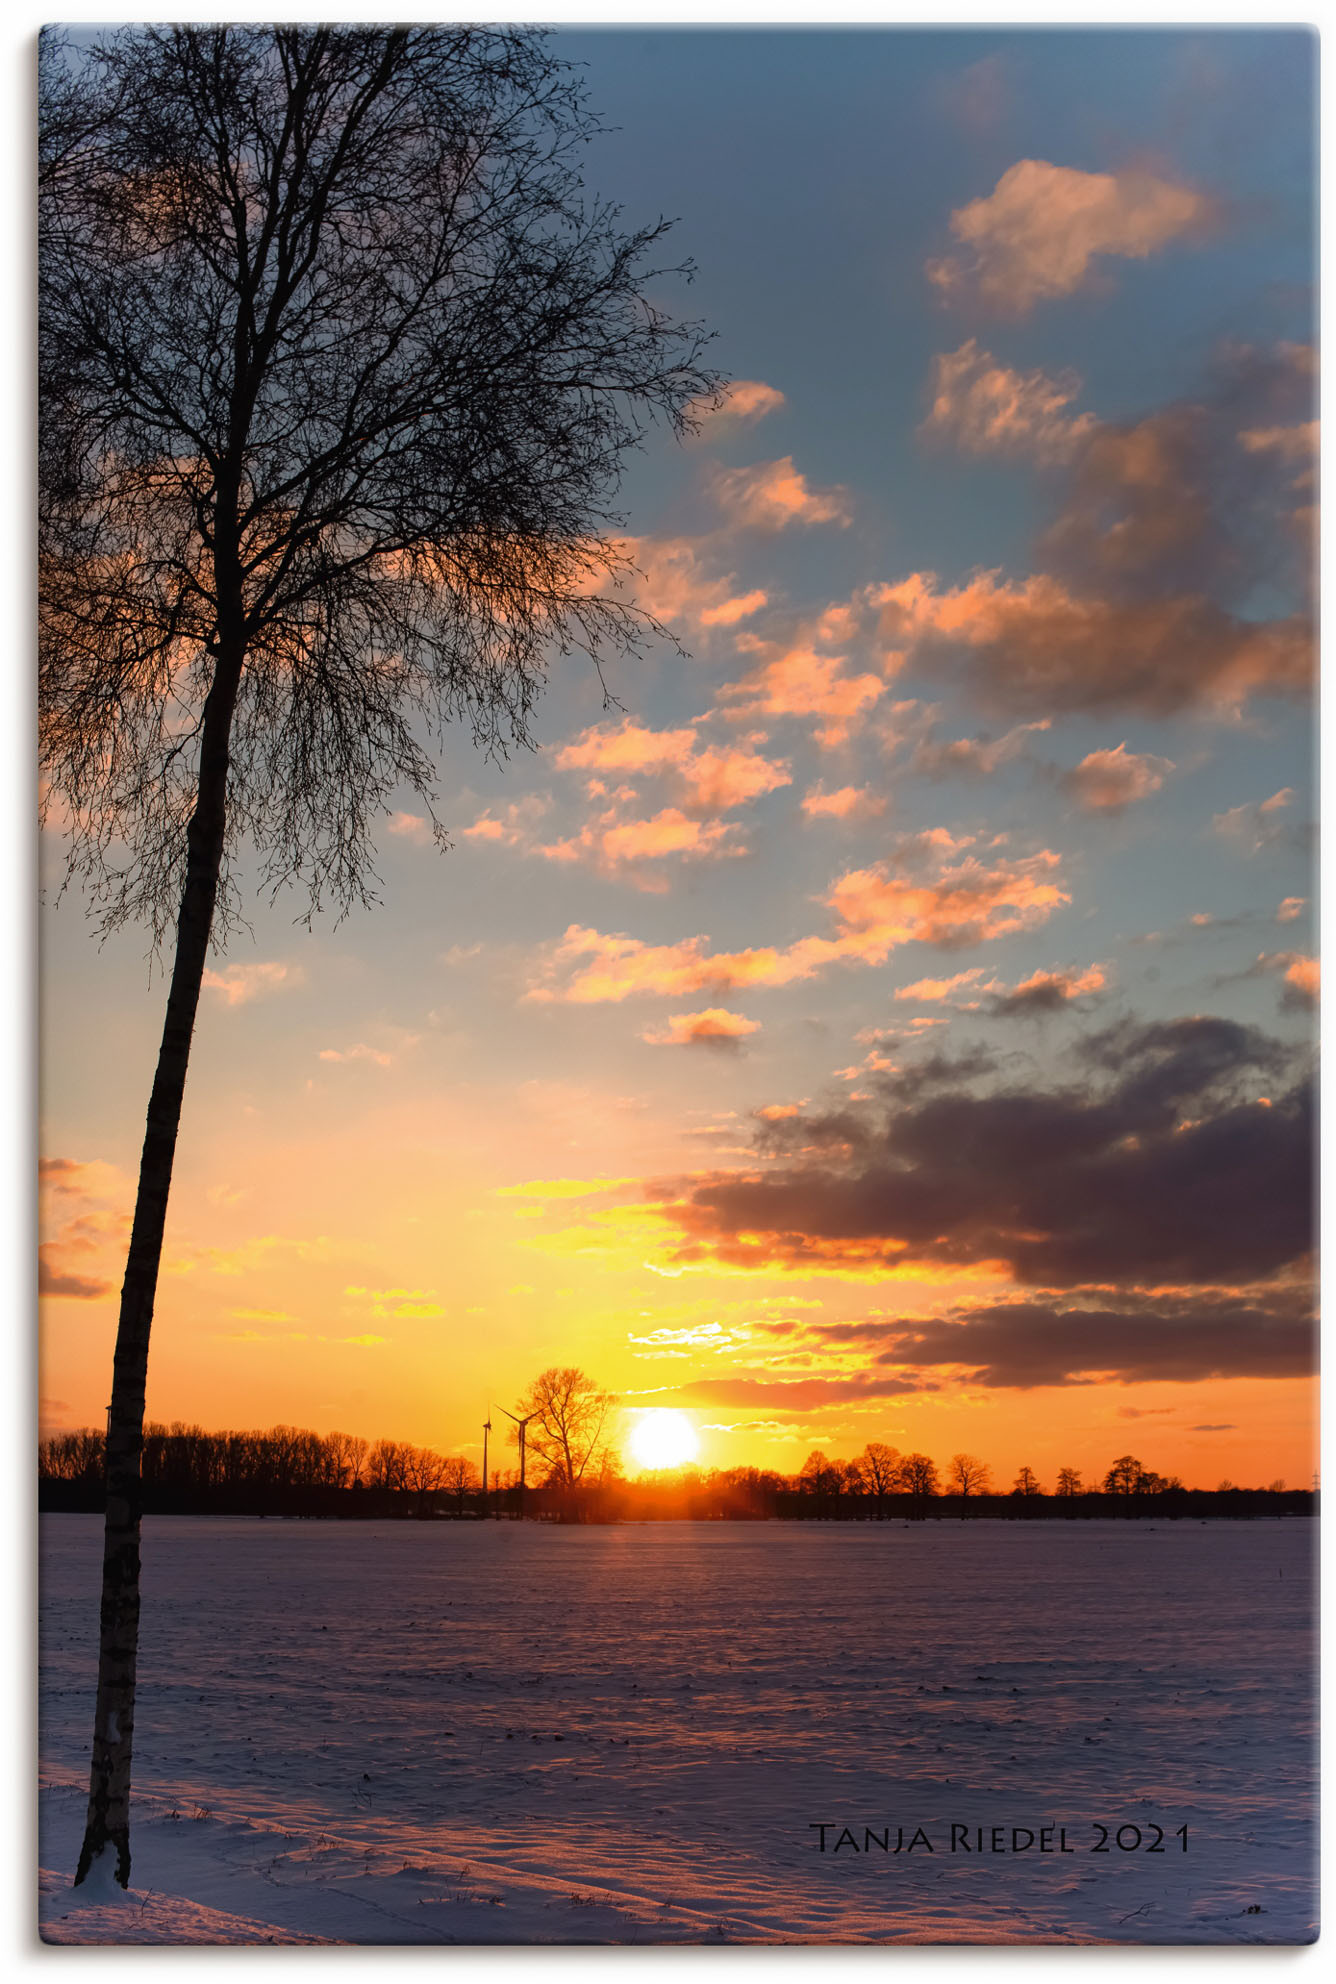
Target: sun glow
[{"x": 661, "y": 1438}]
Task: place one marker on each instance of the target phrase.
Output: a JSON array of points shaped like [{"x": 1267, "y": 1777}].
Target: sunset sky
[{"x": 893, "y": 1021}]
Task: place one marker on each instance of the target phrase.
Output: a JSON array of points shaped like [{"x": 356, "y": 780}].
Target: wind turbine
[
  {"x": 486, "y": 1429},
  {"x": 523, "y": 1426}
]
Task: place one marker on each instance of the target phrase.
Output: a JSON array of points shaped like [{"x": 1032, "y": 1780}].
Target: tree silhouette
[
  {"x": 970, "y": 1477},
  {"x": 881, "y": 1468},
  {"x": 1125, "y": 1476},
  {"x": 338, "y": 368},
  {"x": 1069, "y": 1481},
  {"x": 918, "y": 1473},
  {"x": 1026, "y": 1483},
  {"x": 568, "y": 1425}
]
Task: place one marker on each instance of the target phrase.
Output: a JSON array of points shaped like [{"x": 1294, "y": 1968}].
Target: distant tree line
[{"x": 289, "y": 1471}]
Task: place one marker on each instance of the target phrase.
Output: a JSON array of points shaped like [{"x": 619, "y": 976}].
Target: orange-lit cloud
[
  {"x": 1108, "y": 781},
  {"x": 1033, "y": 642},
  {"x": 958, "y": 903},
  {"x": 932, "y": 989},
  {"x": 800, "y": 682},
  {"x": 984, "y": 408},
  {"x": 1036, "y": 235},
  {"x": 358, "y": 1052},
  {"x": 850, "y": 802},
  {"x": 745, "y": 401},
  {"x": 631, "y": 747},
  {"x": 974, "y": 757},
  {"x": 716, "y": 1027},
  {"x": 411, "y": 827},
  {"x": 713, "y": 779},
  {"x": 1259, "y": 824},
  {"x": 774, "y": 495},
  {"x": 1301, "y": 976},
  {"x": 238, "y": 984},
  {"x": 512, "y": 827},
  {"x": 616, "y": 845},
  {"x": 1045, "y": 992}
]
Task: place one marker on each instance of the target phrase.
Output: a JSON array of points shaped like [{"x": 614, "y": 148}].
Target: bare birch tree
[{"x": 338, "y": 369}]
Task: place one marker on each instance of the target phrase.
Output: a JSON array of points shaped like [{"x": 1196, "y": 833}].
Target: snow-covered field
[{"x": 494, "y": 1733}]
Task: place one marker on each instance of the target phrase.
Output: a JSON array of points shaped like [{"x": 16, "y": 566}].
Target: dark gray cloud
[
  {"x": 1180, "y": 1337},
  {"x": 1160, "y": 1164},
  {"x": 53, "y": 1280}
]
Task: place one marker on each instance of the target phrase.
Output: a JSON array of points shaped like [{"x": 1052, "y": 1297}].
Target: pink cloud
[
  {"x": 800, "y": 682},
  {"x": 238, "y": 984},
  {"x": 930, "y": 990},
  {"x": 745, "y": 401},
  {"x": 850, "y": 802},
  {"x": 676, "y": 582},
  {"x": 713, "y": 779},
  {"x": 716, "y": 1027},
  {"x": 410, "y": 827},
  {"x": 984, "y": 408},
  {"x": 958, "y": 903},
  {"x": 1108, "y": 781},
  {"x": 615, "y": 844},
  {"x": 630, "y": 748},
  {"x": 1036, "y": 235},
  {"x": 1034, "y": 642},
  {"x": 773, "y": 495},
  {"x": 974, "y": 757}
]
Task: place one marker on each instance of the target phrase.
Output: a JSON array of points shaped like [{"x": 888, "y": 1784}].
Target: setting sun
[{"x": 663, "y": 1439}]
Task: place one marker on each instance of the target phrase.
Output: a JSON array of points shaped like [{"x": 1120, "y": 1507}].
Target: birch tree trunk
[{"x": 108, "y": 1825}]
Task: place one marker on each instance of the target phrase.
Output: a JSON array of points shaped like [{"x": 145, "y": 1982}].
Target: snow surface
[{"x": 502, "y": 1733}]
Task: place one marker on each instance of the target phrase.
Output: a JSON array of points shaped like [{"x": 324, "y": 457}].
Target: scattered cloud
[
  {"x": 1159, "y": 1165},
  {"x": 1035, "y": 643},
  {"x": 801, "y": 682},
  {"x": 1038, "y": 234},
  {"x": 54, "y": 1278},
  {"x": 850, "y": 802},
  {"x": 979, "y": 97},
  {"x": 412, "y": 827},
  {"x": 238, "y": 984},
  {"x": 974, "y": 757},
  {"x": 678, "y": 580},
  {"x": 1258, "y": 824},
  {"x": 775, "y": 495},
  {"x": 931, "y": 891},
  {"x": 930, "y": 990},
  {"x": 715, "y": 1028},
  {"x": 745, "y": 401},
  {"x": 358, "y": 1052},
  {"x": 984, "y": 408},
  {"x": 1171, "y": 1337},
  {"x": 1046, "y": 992},
  {"x": 1110, "y": 781},
  {"x": 619, "y": 846}
]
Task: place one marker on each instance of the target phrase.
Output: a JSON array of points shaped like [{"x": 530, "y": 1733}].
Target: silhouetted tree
[
  {"x": 459, "y": 1478},
  {"x": 338, "y": 367},
  {"x": 1026, "y": 1483},
  {"x": 881, "y": 1472},
  {"x": 1069, "y": 1481},
  {"x": 919, "y": 1477},
  {"x": 970, "y": 1477},
  {"x": 423, "y": 1474},
  {"x": 1124, "y": 1477},
  {"x": 569, "y": 1429}
]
